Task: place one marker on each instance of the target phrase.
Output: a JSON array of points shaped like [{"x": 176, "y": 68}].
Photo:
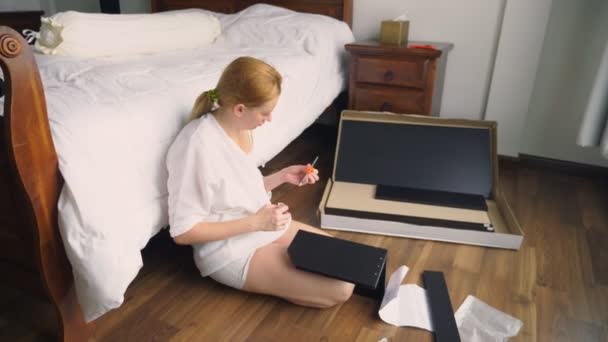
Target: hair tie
[{"x": 212, "y": 94}]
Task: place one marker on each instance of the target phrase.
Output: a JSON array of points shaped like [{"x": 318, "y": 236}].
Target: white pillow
[
  {"x": 267, "y": 25},
  {"x": 95, "y": 35},
  {"x": 271, "y": 26}
]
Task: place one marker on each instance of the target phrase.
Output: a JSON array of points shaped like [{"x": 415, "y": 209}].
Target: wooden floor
[{"x": 557, "y": 283}]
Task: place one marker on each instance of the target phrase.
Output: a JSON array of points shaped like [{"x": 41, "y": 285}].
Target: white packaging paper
[
  {"x": 479, "y": 322},
  {"x": 405, "y": 305}
]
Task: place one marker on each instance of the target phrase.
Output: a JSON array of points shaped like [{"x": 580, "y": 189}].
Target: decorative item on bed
[{"x": 88, "y": 181}]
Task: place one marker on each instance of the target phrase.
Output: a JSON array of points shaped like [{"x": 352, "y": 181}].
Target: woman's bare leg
[{"x": 271, "y": 272}]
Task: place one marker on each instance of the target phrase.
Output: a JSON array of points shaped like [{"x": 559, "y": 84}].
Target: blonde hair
[{"x": 245, "y": 80}]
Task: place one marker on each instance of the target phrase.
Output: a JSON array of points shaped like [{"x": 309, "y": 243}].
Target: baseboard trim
[{"x": 555, "y": 165}]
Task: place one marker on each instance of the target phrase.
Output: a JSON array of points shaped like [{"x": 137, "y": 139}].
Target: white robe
[{"x": 211, "y": 179}]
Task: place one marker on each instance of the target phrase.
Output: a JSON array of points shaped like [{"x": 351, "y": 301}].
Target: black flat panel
[
  {"x": 423, "y": 221},
  {"x": 442, "y": 314},
  {"x": 430, "y": 197},
  {"x": 439, "y": 158},
  {"x": 341, "y": 259}
]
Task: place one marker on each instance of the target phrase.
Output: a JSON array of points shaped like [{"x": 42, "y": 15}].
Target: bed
[{"x": 37, "y": 151}]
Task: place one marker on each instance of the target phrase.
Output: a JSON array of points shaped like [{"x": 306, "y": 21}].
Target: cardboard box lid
[{"x": 498, "y": 210}]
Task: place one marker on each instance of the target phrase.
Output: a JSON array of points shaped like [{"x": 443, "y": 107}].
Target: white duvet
[{"x": 113, "y": 119}]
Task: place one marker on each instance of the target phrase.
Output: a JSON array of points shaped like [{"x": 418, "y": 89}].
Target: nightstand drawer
[
  {"x": 408, "y": 73},
  {"x": 382, "y": 99}
]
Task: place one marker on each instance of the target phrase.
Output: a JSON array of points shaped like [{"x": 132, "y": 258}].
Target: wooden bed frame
[{"x": 32, "y": 256}]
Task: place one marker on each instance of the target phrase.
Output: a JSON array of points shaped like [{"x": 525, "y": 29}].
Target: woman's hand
[
  {"x": 272, "y": 217},
  {"x": 300, "y": 174}
]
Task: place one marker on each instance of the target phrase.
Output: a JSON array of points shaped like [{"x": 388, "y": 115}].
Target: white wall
[
  {"x": 48, "y": 6},
  {"x": 19, "y": 5},
  {"x": 136, "y": 6},
  {"x": 77, "y": 5},
  {"x": 576, "y": 35},
  {"x": 471, "y": 25},
  {"x": 519, "y": 49}
]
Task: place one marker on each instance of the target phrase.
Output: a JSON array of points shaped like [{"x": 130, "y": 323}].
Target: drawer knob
[
  {"x": 389, "y": 75},
  {"x": 385, "y": 107}
]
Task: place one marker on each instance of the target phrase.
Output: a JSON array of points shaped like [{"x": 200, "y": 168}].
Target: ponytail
[{"x": 202, "y": 105}]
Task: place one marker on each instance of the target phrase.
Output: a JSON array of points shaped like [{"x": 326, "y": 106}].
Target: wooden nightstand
[{"x": 396, "y": 79}]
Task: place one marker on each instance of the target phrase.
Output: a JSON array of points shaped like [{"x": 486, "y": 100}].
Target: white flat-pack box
[{"x": 418, "y": 177}]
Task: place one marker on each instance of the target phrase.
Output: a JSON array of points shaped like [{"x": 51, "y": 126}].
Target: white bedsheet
[{"x": 112, "y": 121}]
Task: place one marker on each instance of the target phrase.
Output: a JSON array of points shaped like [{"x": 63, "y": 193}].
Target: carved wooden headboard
[{"x": 339, "y": 9}]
